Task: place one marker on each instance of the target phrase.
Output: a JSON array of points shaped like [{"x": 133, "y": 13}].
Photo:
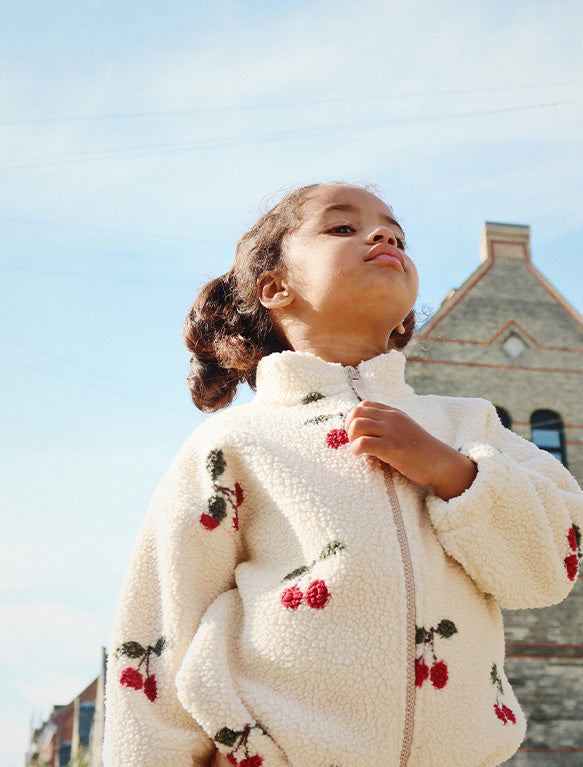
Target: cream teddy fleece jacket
[{"x": 298, "y": 606}]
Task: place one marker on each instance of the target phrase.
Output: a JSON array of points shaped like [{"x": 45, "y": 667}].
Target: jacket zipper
[{"x": 357, "y": 386}]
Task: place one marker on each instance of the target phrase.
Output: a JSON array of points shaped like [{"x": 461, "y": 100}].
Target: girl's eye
[
  {"x": 342, "y": 229},
  {"x": 400, "y": 243}
]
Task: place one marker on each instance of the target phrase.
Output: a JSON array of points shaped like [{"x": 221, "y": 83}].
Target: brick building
[
  {"x": 73, "y": 734},
  {"x": 508, "y": 335}
]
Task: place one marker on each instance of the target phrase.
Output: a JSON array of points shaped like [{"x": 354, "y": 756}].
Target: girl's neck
[{"x": 334, "y": 349}]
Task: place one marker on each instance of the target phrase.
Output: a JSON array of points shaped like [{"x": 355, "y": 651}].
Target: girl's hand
[{"x": 394, "y": 438}]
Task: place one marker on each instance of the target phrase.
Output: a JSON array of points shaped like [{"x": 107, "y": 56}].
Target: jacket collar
[{"x": 288, "y": 378}]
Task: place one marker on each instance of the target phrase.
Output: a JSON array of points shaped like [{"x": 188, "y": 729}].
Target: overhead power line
[{"x": 360, "y": 125}]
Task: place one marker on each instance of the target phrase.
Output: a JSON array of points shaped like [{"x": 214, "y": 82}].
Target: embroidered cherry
[
  {"x": 317, "y": 595},
  {"x": 150, "y": 688},
  {"x": 509, "y": 713},
  {"x": 207, "y": 521},
  {"x": 292, "y": 597},
  {"x": 503, "y": 712},
  {"x": 437, "y": 672},
  {"x": 131, "y": 677},
  {"x": 572, "y": 565},
  {"x": 421, "y": 672},
  {"x": 237, "y": 740},
  {"x": 336, "y": 438},
  {"x": 572, "y": 561},
  {"x": 252, "y": 761},
  {"x": 500, "y": 713},
  {"x": 439, "y": 675}
]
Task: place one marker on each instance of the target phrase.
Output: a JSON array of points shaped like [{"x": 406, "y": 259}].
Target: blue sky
[{"x": 137, "y": 141}]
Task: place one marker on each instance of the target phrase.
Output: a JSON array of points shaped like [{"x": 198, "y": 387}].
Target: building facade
[
  {"x": 72, "y": 735},
  {"x": 506, "y": 334}
]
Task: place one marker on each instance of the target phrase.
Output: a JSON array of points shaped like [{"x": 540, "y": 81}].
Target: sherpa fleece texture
[{"x": 265, "y": 605}]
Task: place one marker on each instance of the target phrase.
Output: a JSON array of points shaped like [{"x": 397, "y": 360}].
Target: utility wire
[{"x": 362, "y": 126}]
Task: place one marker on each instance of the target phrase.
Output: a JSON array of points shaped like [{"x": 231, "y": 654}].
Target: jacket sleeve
[
  {"x": 184, "y": 558},
  {"x": 516, "y": 530}
]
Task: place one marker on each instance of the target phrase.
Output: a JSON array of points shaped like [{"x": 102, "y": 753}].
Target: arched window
[
  {"x": 547, "y": 433},
  {"x": 504, "y": 417}
]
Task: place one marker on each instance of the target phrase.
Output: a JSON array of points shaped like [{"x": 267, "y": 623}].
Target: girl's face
[{"x": 346, "y": 267}]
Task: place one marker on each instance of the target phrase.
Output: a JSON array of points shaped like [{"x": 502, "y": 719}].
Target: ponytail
[{"x": 226, "y": 344}]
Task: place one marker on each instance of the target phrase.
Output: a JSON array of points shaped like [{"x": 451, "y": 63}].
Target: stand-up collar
[{"x": 288, "y": 377}]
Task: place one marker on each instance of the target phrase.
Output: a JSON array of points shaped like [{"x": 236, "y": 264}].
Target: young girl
[{"x": 319, "y": 578}]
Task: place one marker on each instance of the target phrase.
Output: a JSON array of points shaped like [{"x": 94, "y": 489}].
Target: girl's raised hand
[{"x": 395, "y": 438}]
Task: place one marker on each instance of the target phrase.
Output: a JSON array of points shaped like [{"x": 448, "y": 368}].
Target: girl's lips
[{"x": 387, "y": 254}]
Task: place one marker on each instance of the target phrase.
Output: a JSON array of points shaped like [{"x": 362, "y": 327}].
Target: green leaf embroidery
[
  {"x": 215, "y": 463},
  {"x": 297, "y": 572},
  {"x": 217, "y": 507},
  {"x": 312, "y": 396},
  {"x": 446, "y": 628},
  {"x": 319, "y": 419},
  {"x": 159, "y": 647},
  {"x": 227, "y": 737},
  {"x": 421, "y": 635},
  {"x": 131, "y": 649},
  {"x": 330, "y": 549}
]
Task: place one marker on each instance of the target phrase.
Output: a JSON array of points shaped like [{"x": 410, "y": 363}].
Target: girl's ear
[{"x": 272, "y": 291}]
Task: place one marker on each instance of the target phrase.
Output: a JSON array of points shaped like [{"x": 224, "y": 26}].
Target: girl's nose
[{"x": 383, "y": 234}]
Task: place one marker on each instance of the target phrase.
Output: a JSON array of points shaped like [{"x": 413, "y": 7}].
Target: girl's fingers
[
  {"x": 367, "y": 445},
  {"x": 366, "y": 427}
]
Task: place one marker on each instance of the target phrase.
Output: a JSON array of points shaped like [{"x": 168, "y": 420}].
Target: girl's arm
[
  {"x": 515, "y": 527},
  {"x": 182, "y": 561},
  {"x": 395, "y": 438}
]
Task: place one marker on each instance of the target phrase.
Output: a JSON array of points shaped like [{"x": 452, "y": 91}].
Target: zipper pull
[{"x": 356, "y": 383}]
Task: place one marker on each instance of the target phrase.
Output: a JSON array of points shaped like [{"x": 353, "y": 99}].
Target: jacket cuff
[{"x": 489, "y": 483}]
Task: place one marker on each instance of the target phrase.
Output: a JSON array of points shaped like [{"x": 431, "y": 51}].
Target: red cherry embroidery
[
  {"x": 503, "y": 712},
  {"x": 436, "y": 670},
  {"x": 572, "y": 560},
  {"x": 421, "y": 672},
  {"x": 150, "y": 688},
  {"x": 252, "y": 761},
  {"x": 292, "y": 597},
  {"x": 572, "y": 565},
  {"x": 207, "y": 521},
  {"x": 438, "y": 674},
  {"x": 500, "y": 713},
  {"x": 336, "y": 438},
  {"x": 237, "y": 741},
  {"x": 131, "y": 677},
  {"x": 317, "y": 595},
  {"x": 509, "y": 714}
]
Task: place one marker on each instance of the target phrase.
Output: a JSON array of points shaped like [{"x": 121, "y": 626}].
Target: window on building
[
  {"x": 547, "y": 433},
  {"x": 504, "y": 417}
]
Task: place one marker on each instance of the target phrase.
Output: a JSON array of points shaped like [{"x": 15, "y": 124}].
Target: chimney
[{"x": 505, "y": 241}]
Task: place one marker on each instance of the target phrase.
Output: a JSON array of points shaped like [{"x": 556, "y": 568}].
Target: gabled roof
[{"x": 508, "y": 282}]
